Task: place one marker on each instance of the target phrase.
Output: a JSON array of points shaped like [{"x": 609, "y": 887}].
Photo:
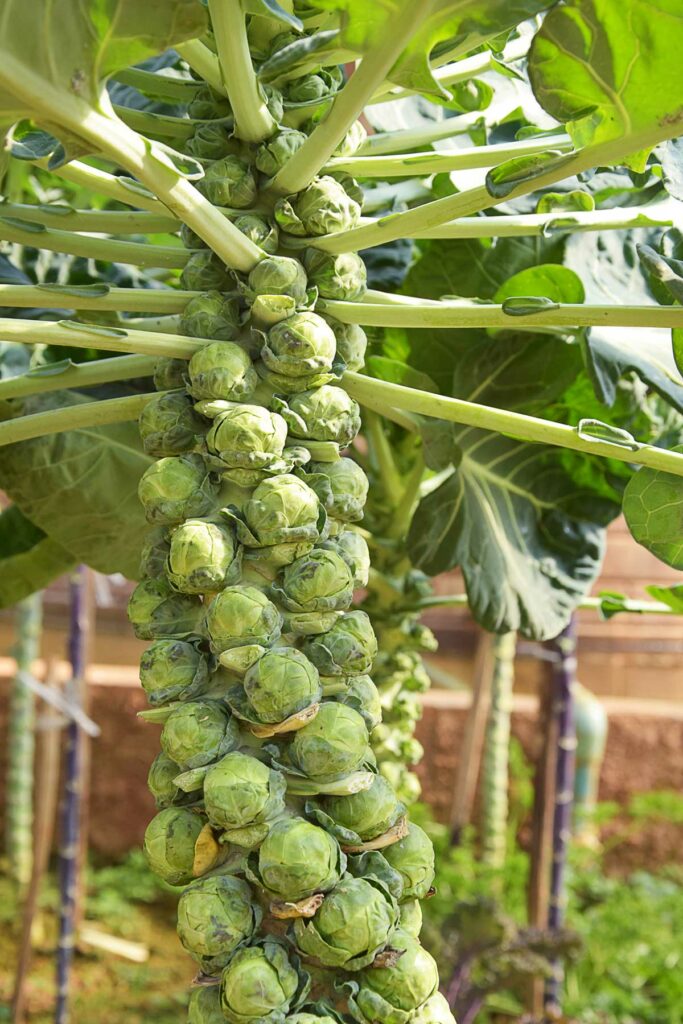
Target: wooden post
[
  {"x": 473, "y": 739},
  {"x": 48, "y": 733}
]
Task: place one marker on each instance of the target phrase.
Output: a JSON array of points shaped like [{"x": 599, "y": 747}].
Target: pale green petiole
[
  {"x": 54, "y": 377},
  {"x": 470, "y": 314},
  {"x": 113, "y": 250},
  {"x": 73, "y": 417},
  {"x": 407, "y": 164},
  {"x": 253, "y": 120}
]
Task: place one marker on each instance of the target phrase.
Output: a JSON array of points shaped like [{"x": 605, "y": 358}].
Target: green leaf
[
  {"x": 611, "y": 603},
  {"x": 609, "y": 70},
  {"x": 565, "y": 201},
  {"x": 596, "y": 430},
  {"x": 665, "y": 269},
  {"x": 671, "y": 596},
  {"x": 540, "y": 287},
  {"x": 504, "y": 178},
  {"x": 72, "y": 47},
  {"x": 461, "y": 25},
  {"x": 30, "y": 560},
  {"x": 80, "y": 488},
  {"x": 525, "y": 537},
  {"x": 298, "y": 52},
  {"x": 653, "y": 507}
]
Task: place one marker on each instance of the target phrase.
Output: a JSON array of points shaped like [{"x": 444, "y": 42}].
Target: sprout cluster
[{"x": 292, "y": 844}]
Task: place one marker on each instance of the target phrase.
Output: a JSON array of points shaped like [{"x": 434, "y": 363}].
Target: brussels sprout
[
  {"x": 295, "y": 860},
  {"x": 207, "y": 104},
  {"x": 170, "y": 842},
  {"x": 319, "y": 581},
  {"x": 405, "y": 783},
  {"x": 362, "y": 695},
  {"x": 333, "y": 744},
  {"x": 258, "y": 230},
  {"x": 205, "y": 1006},
  {"x": 352, "y": 343},
  {"x": 304, "y": 1017},
  {"x": 204, "y": 272},
  {"x": 352, "y": 141},
  {"x": 169, "y": 425},
  {"x": 368, "y": 813},
  {"x": 199, "y": 732},
  {"x": 391, "y": 995},
  {"x": 241, "y": 794},
  {"x": 435, "y": 1011},
  {"x": 155, "y": 552},
  {"x": 411, "y": 918},
  {"x": 326, "y": 413},
  {"x": 210, "y": 142},
  {"x": 190, "y": 239},
  {"x": 274, "y": 102},
  {"x": 239, "y": 616},
  {"x": 222, "y": 370},
  {"x": 342, "y": 487},
  {"x": 321, "y": 209},
  {"x": 170, "y": 374},
  {"x": 354, "y": 550},
  {"x": 413, "y": 858},
  {"x": 259, "y": 984},
  {"x": 336, "y": 275},
  {"x": 215, "y": 917},
  {"x": 280, "y": 684},
  {"x": 204, "y": 556},
  {"x": 282, "y": 509},
  {"x": 279, "y": 275},
  {"x": 173, "y": 670},
  {"x": 248, "y": 438},
  {"x": 156, "y": 611},
  {"x": 348, "y": 649},
  {"x": 299, "y": 346},
  {"x": 160, "y": 782},
  {"x": 313, "y": 88},
  {"x": 211, "y": 315},
  {"x": 281, "y": 40},
  {"x": 272, "y": 155},
  {"x": 176, "y": 487},
  {"x": 351, "y": 927},
  {"x": 229, "y": 182}
]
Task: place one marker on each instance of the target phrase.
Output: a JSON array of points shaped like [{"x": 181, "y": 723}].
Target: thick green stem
[
  {"x": 458, "y": 71},
  {"x": 253, "y": 120},
  {"x": 469, "y": 314},
  {"x": 103, "y": 298},
  {"x": 112, "y": 250},
  {"x": 77, "y": 376},
  {"x": 497, "y": 754},
  {"x": 140, "y": 158},
  {"x": 406, "y": 165},
  {"x": 410, "y": 223},
  {"x": 381, "y": 395},
  {"x": 74, "y": 417},
  {"x": 115, "y": 222},
  {"x": 21, "y": 741},
  {"x": 204, "y": 62},
  {"x": 348, "y": 106}
]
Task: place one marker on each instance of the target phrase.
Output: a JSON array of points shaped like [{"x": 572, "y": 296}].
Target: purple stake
[
  {"x": 564, "y": 677},
  {"x": 69, "y": 853}
]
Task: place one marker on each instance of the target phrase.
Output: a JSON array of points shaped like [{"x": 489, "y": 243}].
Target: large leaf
[
  {"x": 80, "y": 488},
  {"x": 460, "y": 25},
  {"x": 71, "y": 47},
  {"x": 653, "y": 507},
  {"x": 608, "y": 263},
  {"x": 29, "y": 559},
  {"x": 610, "y": 69},
  {"x": 525, "y": 537}
]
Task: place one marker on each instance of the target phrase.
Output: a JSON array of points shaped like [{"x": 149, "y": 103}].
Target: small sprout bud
[
  {"x": 169, "y": 425},
  {"x": 336, "y": 276},
  {"x": 279, "y": 275},
  {"x": 176, "y": 487},
  {"x": 299, "y": 346},
  {"x": 323, "y": 208},
  {"x": 222, "y": 370},
  {"x": 211, "y": 315},
  {"x": 204, "y": 272},
  {"x": 229, "y": 182}
]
